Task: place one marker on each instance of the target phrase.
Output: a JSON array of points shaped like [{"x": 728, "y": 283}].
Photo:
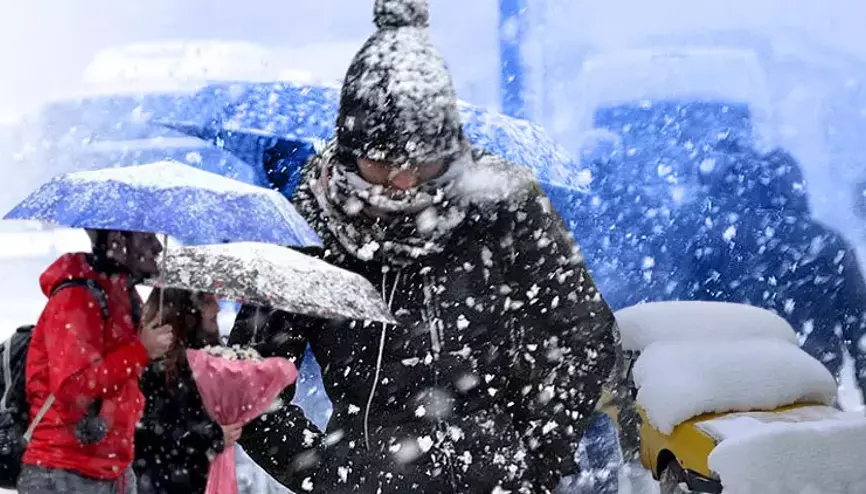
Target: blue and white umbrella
[
  {"x": 171, "y": 198},
  {"x": 296, "y": 117}
]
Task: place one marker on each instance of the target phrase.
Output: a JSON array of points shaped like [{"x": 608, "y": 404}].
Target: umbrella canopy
[
  {"x": 273, "y": 276},
  {"x": 168, "y": 197},
  {"x": 264, "y": 114}
]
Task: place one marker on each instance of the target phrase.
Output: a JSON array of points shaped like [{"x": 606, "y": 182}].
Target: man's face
[
  {"x": 137, "y": 251},
  {"x": 400, "y": 178}
]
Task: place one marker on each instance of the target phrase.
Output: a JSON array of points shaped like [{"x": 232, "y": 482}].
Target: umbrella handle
[
  {"x": 162, "y": 276},
  {"x": 255, "y": 324}
]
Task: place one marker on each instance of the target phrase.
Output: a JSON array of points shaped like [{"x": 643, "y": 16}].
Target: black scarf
[{"x": 369, "y": 223}]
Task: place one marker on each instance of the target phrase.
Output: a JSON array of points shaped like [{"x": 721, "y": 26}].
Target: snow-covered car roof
[
  {"x": 681, "y": 380},
  {"x": 644, "y": 324}
]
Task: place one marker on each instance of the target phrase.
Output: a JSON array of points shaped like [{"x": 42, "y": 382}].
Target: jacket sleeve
[
  {"x": 248, "y": 324},
  {"x": 73, "y": 328},
  {"x": 202, "y": 433},
  {"x": 285, "y": 443},
  {"x": 850, "y": 308},
  {"x": 562, "y": 332},
  {"x": 174, "y": 414}
]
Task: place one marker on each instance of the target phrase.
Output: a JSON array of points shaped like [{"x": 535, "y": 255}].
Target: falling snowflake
[
  {"x": 307, "y": 484},
  {"x": 425, "y": 443},
  {"x": 462, "y": 322}
]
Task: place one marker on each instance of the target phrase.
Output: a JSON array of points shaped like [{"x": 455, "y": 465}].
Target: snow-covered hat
[{"x": 398, "y": 102}]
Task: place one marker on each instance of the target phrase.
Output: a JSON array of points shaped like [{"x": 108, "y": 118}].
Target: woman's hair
[{"x": 182, "y": 310}]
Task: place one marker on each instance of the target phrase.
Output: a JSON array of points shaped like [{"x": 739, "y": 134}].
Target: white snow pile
[
  {"x": 815, "y": 457},
  {"x": 679, "y": 380},
  {"x": 643, "y": 324}
]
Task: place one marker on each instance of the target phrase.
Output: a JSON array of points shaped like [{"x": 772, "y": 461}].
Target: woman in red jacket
[{"x": 86, "y": 368}]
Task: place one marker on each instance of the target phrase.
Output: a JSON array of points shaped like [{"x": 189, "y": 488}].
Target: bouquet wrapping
[{"x": 236, "y": 386}]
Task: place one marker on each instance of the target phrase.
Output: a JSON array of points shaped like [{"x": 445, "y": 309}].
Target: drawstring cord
[{"x": 379, "y": 357}]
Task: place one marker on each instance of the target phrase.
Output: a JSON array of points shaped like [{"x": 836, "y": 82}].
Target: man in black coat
[{"x": 503, "y": 343}]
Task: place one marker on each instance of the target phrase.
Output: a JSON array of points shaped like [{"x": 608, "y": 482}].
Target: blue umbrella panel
[{"x": 168, "y": 197}]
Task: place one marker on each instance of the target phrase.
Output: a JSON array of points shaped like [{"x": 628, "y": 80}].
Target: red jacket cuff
[{"x": 136, "y": 354}]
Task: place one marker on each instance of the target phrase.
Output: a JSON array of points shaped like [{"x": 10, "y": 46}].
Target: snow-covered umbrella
[
  {"x": 273, "y": 276},
  {"x": 170, "y": 198}
]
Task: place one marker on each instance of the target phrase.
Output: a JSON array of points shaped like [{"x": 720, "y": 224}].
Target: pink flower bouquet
[{"x": 236, "y": 386}]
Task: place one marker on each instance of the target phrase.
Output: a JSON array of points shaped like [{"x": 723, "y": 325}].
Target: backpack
[{"x": 14, "y": 409}]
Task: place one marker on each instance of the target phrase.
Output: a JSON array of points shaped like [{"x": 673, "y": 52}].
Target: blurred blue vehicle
[{"x": 650, "y": 162}]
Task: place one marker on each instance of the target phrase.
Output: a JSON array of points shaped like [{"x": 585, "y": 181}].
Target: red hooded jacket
[{"x": 79, "y": 357}]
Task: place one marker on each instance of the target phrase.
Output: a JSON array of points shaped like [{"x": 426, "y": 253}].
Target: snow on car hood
[
  {"x": 741, "y": 424},
  {"x": 801, "y": 456}
]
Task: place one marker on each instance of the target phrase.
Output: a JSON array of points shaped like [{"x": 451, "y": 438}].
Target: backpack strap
[
  {"x": 28, "y": 435},
  {"x": 95, "y": 289},
  {"x": 101, "y": 298},
  {"x": 7, "y": 365},
  {"x": 7, "y": 372}
]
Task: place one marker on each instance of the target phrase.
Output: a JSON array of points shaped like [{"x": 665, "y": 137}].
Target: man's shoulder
[{"x": 491, "y": 182}]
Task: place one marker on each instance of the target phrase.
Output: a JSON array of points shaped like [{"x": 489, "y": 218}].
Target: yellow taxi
[
  {"x": 680, "y": 460},
  {"x": 750, "y": 366}
]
